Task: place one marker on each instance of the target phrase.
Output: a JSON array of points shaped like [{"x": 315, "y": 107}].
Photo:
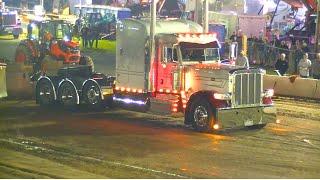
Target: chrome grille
[
  {"x": 247, "y": 89},
  {"x": 9, "y": 19}
]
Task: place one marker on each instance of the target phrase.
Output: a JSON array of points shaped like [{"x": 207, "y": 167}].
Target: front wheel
[{"x": 202, "y": 116}]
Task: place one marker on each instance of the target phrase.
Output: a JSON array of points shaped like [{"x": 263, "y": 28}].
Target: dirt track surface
[{"x": 55, "y": 143}]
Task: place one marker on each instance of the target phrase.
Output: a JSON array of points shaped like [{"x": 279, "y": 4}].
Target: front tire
[
  {"x": 88, "y": 61},
  {"x": 202, "y": 116}
]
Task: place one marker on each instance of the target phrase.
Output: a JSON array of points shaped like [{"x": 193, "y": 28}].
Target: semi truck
[
  {"x": 10, "y": 22},
  {"x": 186, "y": 76}
]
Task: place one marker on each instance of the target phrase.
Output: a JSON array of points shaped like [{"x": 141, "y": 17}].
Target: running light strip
[{"x": 129, "y": 101}]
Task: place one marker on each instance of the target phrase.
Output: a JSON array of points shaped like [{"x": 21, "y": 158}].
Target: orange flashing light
[
  {"x": 134, "y": 90},
  {"x": 216, "y": 127},
  {"x": 161, "y": 90},
  {"x": 168, "y": 91},
  {"x": 175, "y": 105},
  {"x": 184, "y": 106},
  {"x": 128, "y": 89},
  {"x": 123, "y": 89},
  {"x": 140, "y": 91},
  {"x": 117, "y": 88},
  {"x": 174, "y": 110}
]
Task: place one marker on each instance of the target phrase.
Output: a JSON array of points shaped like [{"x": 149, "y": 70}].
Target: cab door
[{"x": 168, "y": 76}]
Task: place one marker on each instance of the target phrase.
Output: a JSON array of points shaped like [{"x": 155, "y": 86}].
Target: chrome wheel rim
[
  {"x": 68, "y": 96},
  {"x": 200, "y": 116},
  {"x": 93, "y": 96},
  {"x": 45, "y": 93}
]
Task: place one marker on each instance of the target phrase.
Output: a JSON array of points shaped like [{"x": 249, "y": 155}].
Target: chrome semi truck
[{"x": 185, "y": 75}]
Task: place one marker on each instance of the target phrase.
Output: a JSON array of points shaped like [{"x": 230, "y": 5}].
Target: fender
[
  {"x": 95, "y": 82},
  {"x": 208, "y": 95},
  {"x": 69, "y": 81},
  {"x": 46, "y": 78}
]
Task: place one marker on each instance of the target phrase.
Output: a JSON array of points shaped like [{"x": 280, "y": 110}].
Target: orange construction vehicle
[{"x": 50, "y": 37}]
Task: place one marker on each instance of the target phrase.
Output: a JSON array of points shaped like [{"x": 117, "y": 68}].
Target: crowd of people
[
  {"x": 272, "y": 53},
  {"x": 90, "y": 36}
]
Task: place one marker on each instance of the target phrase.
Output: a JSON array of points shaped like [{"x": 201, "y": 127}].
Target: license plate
[
  {"x": 248, "y": 123},
  {"x": 107, "y": 91}
]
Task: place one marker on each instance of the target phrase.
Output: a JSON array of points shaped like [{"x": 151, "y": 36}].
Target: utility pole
[
  {"x": 153, "y": 12},
  {"x": 206, "y": 16}
]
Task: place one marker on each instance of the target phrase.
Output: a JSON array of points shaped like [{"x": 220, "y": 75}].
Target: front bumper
[{"x": 244, "y": 117}]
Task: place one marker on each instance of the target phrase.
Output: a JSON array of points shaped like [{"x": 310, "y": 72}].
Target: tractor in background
[{"x": 49, "y": 41}]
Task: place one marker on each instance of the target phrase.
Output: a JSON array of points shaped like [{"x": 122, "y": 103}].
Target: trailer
[{"x": 74, "y": 85}]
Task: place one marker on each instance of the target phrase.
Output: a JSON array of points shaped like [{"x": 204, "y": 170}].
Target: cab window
[{"x": 169, "y": 54}]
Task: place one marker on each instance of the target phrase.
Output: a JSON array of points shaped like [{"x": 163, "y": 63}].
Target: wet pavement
[{"x": 38, "y": 142}]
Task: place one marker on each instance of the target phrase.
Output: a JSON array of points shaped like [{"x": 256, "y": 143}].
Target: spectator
[
  {"x": 316, "y": 67},
  {"x": 29, "y": 29},
  {"x": 96, "y": 36},
  {"x": 282, "y": 64},
  {"x": 233, "y": 37},
  {"x": 305, "y": 66},
  {"x": 242, "y": 60},
  {"x": 305, "y": 47},
  {"x": 91, "y": 36},
  {"x": 84, "y": 35}
]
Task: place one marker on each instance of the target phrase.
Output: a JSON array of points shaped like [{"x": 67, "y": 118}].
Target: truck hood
[{"x": 212, "y": 77}]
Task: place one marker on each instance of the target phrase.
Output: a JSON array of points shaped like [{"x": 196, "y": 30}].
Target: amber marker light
[{"x": 216, "y": 127}]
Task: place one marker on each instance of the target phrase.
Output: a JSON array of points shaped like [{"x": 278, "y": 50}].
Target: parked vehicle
[
  {"x": 10, "y": 23},
  {"x": 48, "y": 38}
]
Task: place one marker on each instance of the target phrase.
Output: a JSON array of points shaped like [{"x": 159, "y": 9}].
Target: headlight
[
  {"x": 268, "y": 93},
  {"x": 66, "y": 38},
  {"x": 222, "y": 96}
]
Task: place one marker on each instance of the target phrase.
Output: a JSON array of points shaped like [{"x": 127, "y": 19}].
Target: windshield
[
  {"x": 200, "y": 54},
  {"x": 63, "y": 32}
]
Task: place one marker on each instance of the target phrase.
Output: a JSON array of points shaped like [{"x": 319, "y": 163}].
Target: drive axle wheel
[
  {"x": 202, "y": 116},
  {"x": 45, "y": 93},
  {"x": 92, "y": 95},
  {"x": 68, "y": 95}
]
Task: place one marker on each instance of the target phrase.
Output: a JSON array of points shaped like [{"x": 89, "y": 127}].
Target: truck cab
[{"x": 186, "y": 75}]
